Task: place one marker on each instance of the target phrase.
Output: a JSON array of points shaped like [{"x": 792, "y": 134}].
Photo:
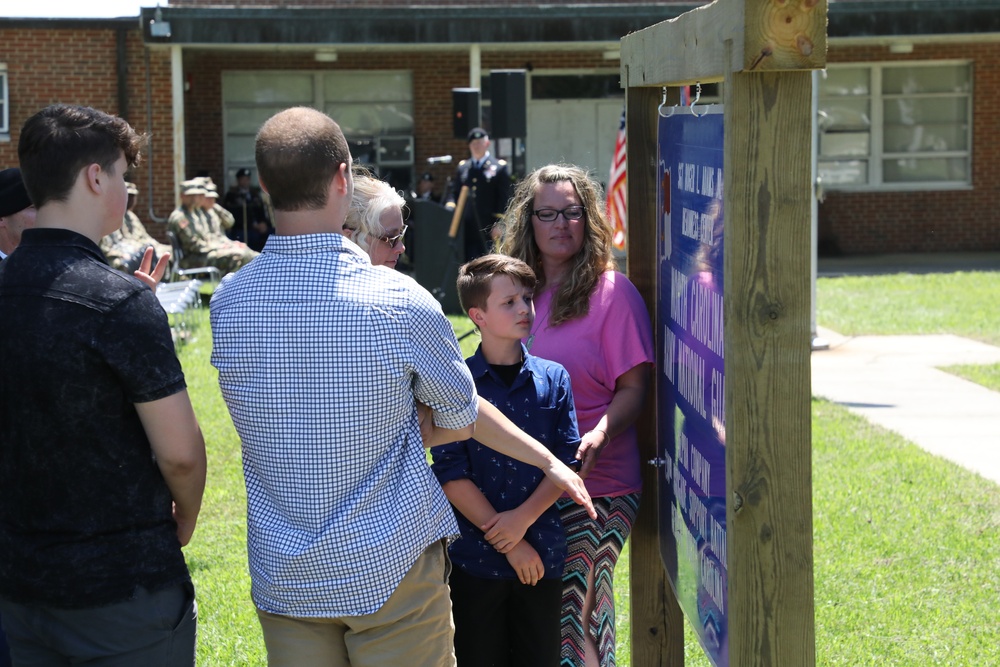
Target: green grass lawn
[
  {"x": 964, "y": 304},
  {"x": 907, "y": 546}
]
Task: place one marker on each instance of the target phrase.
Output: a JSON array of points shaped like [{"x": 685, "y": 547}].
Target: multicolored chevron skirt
[{"x": 593, "y": 546}]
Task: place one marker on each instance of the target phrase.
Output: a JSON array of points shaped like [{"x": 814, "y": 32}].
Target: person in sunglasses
[
  {"x": 375, "y": 219},
  {"x": 346, "y": 525},
  {"x": 592, "y": 320}
]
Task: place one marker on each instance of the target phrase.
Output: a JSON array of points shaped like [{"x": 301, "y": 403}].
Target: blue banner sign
[{"x": 691, "y": 374}]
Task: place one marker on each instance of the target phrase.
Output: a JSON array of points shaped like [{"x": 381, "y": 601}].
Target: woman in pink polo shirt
[{"x": 592, "y": 320}]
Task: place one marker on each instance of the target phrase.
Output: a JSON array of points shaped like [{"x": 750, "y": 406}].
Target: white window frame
[
  {"x": 877, "y": 151},
  {"x": 4, "y": 103}
]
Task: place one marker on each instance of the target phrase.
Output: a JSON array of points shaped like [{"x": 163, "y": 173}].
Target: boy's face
[{"x": 510, "y": 310}]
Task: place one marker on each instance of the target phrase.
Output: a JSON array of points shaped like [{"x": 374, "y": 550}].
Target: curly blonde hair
[
  {"x": 572, "y": 298},
  {"x": 372, "y": 198}
]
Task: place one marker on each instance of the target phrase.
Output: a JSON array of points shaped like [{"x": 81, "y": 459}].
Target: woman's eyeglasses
[
  {"x": 393, "y": 241},
  {"x": 568, "y": 213}
]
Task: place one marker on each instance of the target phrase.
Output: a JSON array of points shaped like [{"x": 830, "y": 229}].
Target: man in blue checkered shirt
[{"x": 346, "y": 523}]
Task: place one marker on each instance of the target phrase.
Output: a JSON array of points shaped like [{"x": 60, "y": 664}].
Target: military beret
[
  {"x": 240, "y": 173},
  {"x": 477, "y": 133},
  {"x": 427, "y": 176}
]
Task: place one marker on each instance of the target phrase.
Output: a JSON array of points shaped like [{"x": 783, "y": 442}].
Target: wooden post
[
  {"x": 657, "y": 620},
  {"x": 762, "y": 51}
]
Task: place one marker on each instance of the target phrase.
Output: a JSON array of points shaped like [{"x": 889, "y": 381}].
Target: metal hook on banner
[
  {"x": 694, "y": 102},
  {"x": 663, "y": 110}
]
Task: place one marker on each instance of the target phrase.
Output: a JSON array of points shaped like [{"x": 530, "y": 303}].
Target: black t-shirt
[{"x": 85, "y": 515}]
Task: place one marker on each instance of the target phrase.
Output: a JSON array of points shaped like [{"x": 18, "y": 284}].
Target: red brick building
[{"x": 908, "y": 141}]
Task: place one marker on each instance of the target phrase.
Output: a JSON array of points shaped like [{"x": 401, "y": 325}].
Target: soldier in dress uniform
[
  {"x": 246, "y": 204},
  {"x": 134, "y": 230},
  {"x": 489, "y": 191},
  {"x": 199, "y": 245}
]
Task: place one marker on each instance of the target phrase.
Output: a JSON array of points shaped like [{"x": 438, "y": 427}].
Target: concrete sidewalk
[{"x": 894, "y": 381}]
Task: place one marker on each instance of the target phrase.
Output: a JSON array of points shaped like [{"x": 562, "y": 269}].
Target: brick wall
[
  {"x": 928, "y": 221},
  {"x": 80, "y": 66}
]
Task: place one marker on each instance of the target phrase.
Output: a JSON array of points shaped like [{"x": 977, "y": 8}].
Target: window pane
[
  {"x": 287, "y": 88},
  {"x": 368, "y": 86},
  {"x": 936, "y": 79},
  {"x": 844, "y": 114},
  {"x": 242, "y": 120},
  {"x": 908, "y": 111},
  {"x": 918, "y": 170},
  {"x": 923, "y": 138},
  {"x": 845, "y": 81},
  {"x": 241, "y": 149},
  {"x": 373, "y": 119},
  {"x": 845, "y": 172},
  {"x": 579, "y": 86},
  {"x": 836, "y": 144}
]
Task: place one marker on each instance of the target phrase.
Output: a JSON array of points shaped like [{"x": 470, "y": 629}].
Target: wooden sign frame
[{"x": 763, "y": 51}]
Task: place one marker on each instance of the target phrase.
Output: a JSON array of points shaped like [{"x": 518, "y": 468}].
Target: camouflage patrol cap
[{"x": 192, "y": 187}]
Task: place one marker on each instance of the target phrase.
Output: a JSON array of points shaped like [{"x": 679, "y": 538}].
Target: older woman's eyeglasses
[
  {"x": 568, "y": 213},
  {"x": 393, "y": 241}
]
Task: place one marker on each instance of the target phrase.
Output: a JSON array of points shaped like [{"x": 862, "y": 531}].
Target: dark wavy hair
[{"x": 61, "y": 140}]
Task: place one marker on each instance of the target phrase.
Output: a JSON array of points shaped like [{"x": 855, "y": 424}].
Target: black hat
[
  {"x": 13, "y": 197},
  {"x": 477, "y": 133},
  {"x": 240, "y": 173},
  {"x": 427, "y": 176}
]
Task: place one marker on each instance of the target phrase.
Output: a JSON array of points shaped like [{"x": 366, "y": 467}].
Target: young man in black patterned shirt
[{"x": 102, "y": 463}]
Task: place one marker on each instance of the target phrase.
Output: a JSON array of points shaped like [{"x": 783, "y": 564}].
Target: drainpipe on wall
[
  {"x": 120, "y": 38},
  {"x": 177, "y": 95},
  {"x": 149, "y": 129}
]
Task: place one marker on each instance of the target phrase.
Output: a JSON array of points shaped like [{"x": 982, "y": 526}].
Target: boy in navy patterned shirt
[{"x": 506, "y": 587}]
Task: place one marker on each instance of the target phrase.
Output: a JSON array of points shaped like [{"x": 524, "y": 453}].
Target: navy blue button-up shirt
[{"x": 539, "y": 402}]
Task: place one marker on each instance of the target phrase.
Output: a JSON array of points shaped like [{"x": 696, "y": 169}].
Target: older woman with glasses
[
  {"x": 375, "y": 219},
  {"x": 593, "y": 321}
]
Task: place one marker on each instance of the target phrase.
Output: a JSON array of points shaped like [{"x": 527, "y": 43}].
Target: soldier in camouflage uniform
[
  {"x": 200, "y": 246},
  {"x": 133, "y": 229},
  {"x": 220, "y": 220},
  {"x": 122, "y": 253}
]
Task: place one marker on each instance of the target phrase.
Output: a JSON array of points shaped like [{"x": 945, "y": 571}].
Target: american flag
[{"x": 617, "y": 200}]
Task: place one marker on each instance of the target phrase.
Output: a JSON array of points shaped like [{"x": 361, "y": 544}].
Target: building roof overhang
[
  {"x": 549, "y": 26},
  {"x": 543, "y": 24}
]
